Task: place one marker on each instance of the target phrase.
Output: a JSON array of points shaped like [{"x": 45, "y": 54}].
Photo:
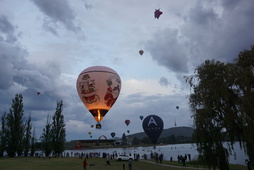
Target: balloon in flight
[
  {"x": 141, "y": 52},
  {"x": 177, "y": 107},
  {"x": 127, "y": 122},
  {"x": 153, "y": 126},
  {"x": 98, "y": 88},
  {"x": 113, "y": 134},
  {"x": 157, "y": 13},
  {"x": 141, "y": 117}
]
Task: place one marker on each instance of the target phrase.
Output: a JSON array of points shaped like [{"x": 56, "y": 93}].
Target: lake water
[{"x": 237, "y": 157}]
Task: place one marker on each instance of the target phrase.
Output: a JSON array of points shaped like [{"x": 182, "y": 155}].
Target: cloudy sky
[{"x": 45, "y": 44}]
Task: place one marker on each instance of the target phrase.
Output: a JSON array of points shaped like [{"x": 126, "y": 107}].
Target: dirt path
[{"x": 172, "y": 166}]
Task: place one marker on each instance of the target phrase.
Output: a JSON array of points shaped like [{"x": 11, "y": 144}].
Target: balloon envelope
[
  {"x": 157, "y": 13},
  {"x": 113, "y": 134},
  {"x": 141, "y": 52},
  {"x": 177, "y": 107},
  {"x": 98, "y": 88},
  {"x": 127, "y": 122},
  {"x": 153, "y": 126},
  {"x": 141, "y": 117}
]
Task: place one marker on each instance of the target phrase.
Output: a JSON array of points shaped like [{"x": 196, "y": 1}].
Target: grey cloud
[
  {"x": 7, "y": 29},
  {"x": 57, "y": 11},
  {"x": 88, "y": 6},
  {"x": 201, "y": 16},
  {"x": 167, "y": 49},
  {"x": 206, "y": 33},
  {"x": 5, "y": 25},
  {"x": 164, "y": 81}
]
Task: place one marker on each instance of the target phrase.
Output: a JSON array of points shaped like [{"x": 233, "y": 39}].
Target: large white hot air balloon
[{"x": 98, "y": 87}]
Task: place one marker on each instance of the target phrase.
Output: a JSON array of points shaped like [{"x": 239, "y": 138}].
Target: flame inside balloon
[{"x": 98, "y": 88}]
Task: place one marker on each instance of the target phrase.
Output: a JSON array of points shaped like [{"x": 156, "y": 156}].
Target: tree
[
  {"x": 124, "y": 139},
  {"x": 222, "y": 106},
  {"x": 146, "y": 140},
  {"x": 244, "y": 78},
  {"x": 58, "y": 130},
  {"x": 135, "y": 141},
  {"x": 212, "y": 102},
  {"x": 46, "y": 138},
  {"x": 27, "y": 136},
  {"x": 33, "y": 143},
  {"x": 15, "y": 127},
  {"x": 3, "y": 135}
]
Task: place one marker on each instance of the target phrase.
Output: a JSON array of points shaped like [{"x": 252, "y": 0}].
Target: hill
[{"x": 177, "y": 131}]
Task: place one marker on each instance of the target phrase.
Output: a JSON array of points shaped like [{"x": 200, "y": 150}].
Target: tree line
[
  {"x": 17, "y": 136},
  {"x": 221, "y": 101}
]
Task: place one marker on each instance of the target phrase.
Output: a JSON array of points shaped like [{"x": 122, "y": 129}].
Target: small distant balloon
[
  {"x": 38, "y": 93},
  {"x": 92, "y": 126},
  {"x": 128, "y": 131},
  {"x": 113, "y": 134},
  {"x": 153, "y": 126},
  {"x": 157, "y": 13},
  {"x": 177, "y": 107},
  {"x": 127, "y": 122},
  {"x": 141, "y": 52},
  {"x": 141, "y": 117}
]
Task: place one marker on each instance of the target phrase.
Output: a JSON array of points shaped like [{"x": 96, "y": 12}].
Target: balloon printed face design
[
  {"x": 98, "y": 88},
  {"x": 153, "y": 126}
]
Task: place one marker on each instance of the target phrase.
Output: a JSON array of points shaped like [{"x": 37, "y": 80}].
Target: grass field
[{"x": 34, "y": 163}]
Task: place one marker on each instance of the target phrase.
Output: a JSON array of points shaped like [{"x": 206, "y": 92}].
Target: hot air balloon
[
  {"x": 177, "y": 107},
  {"x": 157, "y": 13},
  {"x": 141, "y": 52},
  {"x": 38, "y": 93},
  {"x": 113, "y": 134},
  {"x": 89, "y": 133},
  {"x": 141, "y": 117},
  {"x": 128, "y": 131},
  {"x": 98, "y": 87},
  {"x": 127, "y": 122},
  {"x": 153, "y": 126}
]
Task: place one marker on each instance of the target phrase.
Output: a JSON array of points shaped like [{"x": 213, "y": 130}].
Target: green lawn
[{"x": 33, "y": 163}]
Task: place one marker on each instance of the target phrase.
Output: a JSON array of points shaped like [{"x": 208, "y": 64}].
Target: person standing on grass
[
  {"x": 84, "y": 164},
  {"x": 130, "y": 164}
]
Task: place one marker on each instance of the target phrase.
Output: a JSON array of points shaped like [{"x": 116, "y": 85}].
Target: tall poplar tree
[
  {"x": 33, "y": 142},
  {"x": 3, "y": 135},
  {"x": 46, "y": 138},
  {"x": 27, "y": 136},
  {"x": 15, "y": 127},
  {"x": 58, "y": 130}
]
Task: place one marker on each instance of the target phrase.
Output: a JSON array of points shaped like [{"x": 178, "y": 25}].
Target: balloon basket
[{"x": 98, "y": 126}]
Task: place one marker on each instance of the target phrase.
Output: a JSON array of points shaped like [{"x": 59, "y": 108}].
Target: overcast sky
[{"x": 45, "y": 44}]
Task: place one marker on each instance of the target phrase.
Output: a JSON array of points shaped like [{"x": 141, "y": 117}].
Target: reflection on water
[{"x": 236, "y": 157}]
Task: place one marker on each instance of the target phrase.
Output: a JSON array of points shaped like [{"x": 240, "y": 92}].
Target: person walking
[
  {"x": 84, "y": 164},
  {"x": 130, "y": 164}
]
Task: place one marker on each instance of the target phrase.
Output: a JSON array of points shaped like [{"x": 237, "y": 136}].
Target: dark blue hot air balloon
[
  {"x": 113, "y": 134},
  {"x": 153, "y": 126}
]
